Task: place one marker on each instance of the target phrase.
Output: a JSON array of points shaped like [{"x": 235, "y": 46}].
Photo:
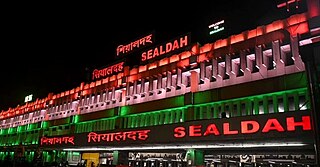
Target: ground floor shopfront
[{"x": 278, "y": 139}]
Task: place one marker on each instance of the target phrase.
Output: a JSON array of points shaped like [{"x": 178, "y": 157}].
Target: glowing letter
[
  {"x": 168, "y": 47},
  {"x": 175, "y": 45},
  {"x": 272, "y": 124},
  {"x": 226, "y": 129},
  {"x": 306, "y": 124},
  {"x": 179, "y": 132},
  {"x": 245, "y": 126},
  {"x": 144, "y": 56},
  {"x": 184, "y": 41},
  {"x": 211, "y": 129},
  {"x": 195, "y": 130}
]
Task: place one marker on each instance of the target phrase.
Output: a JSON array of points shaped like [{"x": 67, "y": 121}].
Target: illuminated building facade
[{"x": 243, "y": 100}]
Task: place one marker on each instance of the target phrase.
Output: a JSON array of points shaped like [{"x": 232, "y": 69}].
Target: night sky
[{"x": 48, "y": 47}]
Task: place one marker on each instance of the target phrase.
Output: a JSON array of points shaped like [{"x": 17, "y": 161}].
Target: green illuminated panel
[
  {"x": 95, "y": 125},
  {"x": 252, "y": 105}
]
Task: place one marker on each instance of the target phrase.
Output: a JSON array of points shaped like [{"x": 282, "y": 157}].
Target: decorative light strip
[
  {"x": 307, "y": 41},
  {"x": 185, "y": 147}
]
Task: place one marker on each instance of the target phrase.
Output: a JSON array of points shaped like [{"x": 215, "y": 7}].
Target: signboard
[
  {"x": 216, "y": 27},
  {"x": 135, "y": 45},
  {"x": 166, "y": 48},
  {"x": 286, "y": 126},
  {"x": 28, "y": 98},
  {"x": 108, "y": 71}
]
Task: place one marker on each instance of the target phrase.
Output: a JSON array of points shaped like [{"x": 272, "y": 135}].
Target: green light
[
  {"x": 76, "y": 119},
  {"x": 44, "y": 124},
  {"x": 75, "y": 153},
  {"x": 124, "y": 110}
]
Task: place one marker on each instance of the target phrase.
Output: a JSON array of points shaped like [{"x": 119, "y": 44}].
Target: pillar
[
  {"x": 195, "y": 157},
  {"x": 120, "y": 158},
  {"x": 194, "y": 81}
]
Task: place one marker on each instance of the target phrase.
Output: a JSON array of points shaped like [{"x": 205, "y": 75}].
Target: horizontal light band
[{"x": 185, "y": 147}]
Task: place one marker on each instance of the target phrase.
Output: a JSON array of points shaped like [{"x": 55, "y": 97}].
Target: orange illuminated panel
[
  {"x": 220, "y": 43},
  {"x": 86, "y": 86},
  {"x": 132, "y": 78},
  {"x": 92, "y": 84},
  {"x": 277, "y": 25},
  {"x": 185, "y": 55},
  {"x": 62, "y": 94},
  {"x": 202, "y": 57},
  {"x": 295, "y": 19},
  {"x": 105, "y": 80},
  {"x": 134, "y": 71},
  {"x": 98, "y": 82},
  {"x": 206, "y": 48},
  {"x": 84, "y": 92},
  {"x": 237, "y": 38},
  {"x": 72, "y": 91},
  {"x": 152, "y": 65},
  {"x": 119, "y": 82},
  {"x": 163, "y": 61},
  {"x": 112, "y": 78},
  {"x": 300, "y": 28},
  {"x": 54, "y": 96},
  {"x": 174, "y": 58},
  {"x": 183, "y": 63},
  {"x": 195, "y": 49},
  {"x": 66, "y": 93},
  {"x": 254, "y": 33},
  {"x": 142, "y": 68},
  {"x": 77, "y": 89},
  {"x": 120, "y": 75},
  {"x": 75, "y": 96}
]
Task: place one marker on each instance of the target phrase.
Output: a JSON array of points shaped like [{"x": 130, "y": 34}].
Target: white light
[{"x": 185, "y": 147}]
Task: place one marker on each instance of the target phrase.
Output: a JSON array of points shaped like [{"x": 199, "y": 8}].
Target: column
[
  {"x": 194, "y": 81},
  {"x": 120, "y": 158},
  {"x": 195, "y": 157}
]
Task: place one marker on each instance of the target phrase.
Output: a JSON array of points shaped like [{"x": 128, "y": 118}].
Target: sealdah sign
[
  {"x": 246, "y": 127},
  {"x": 166, "y": 48}
]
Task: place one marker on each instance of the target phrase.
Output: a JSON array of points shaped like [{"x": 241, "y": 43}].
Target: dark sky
[{"x": 47, "y": 47}]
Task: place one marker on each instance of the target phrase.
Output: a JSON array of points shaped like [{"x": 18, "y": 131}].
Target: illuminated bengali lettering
[
  {"x": 71, "y": 140},
  {"x": 132, "y": 46},
  {"x": 57, "y": 140},
  {"x": 95, "y": 74},
  {"x": 143, "y": 134},
  {"x": 118, "y": 136},
  {"x": 107, "y": 137},
  {"x": 108, "y": 71},
  {"x": 43, "y": 140},
  {"x": 93, "y": 137}
]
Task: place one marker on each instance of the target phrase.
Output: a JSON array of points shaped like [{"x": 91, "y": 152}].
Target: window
[
  {"x": 280, "y": 105},
  {"x": 303, "y": 102},
  {"x": 270, "y": 106},
  {"x": 291, "y": 103}
]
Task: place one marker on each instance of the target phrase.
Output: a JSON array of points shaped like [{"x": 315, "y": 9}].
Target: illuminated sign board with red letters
[
  {"x": 108, "y": 71},
  {"x": 293, "y": 126},
  {"x": 135, "y": 45},
  {"x": 166, "y": 48}
]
